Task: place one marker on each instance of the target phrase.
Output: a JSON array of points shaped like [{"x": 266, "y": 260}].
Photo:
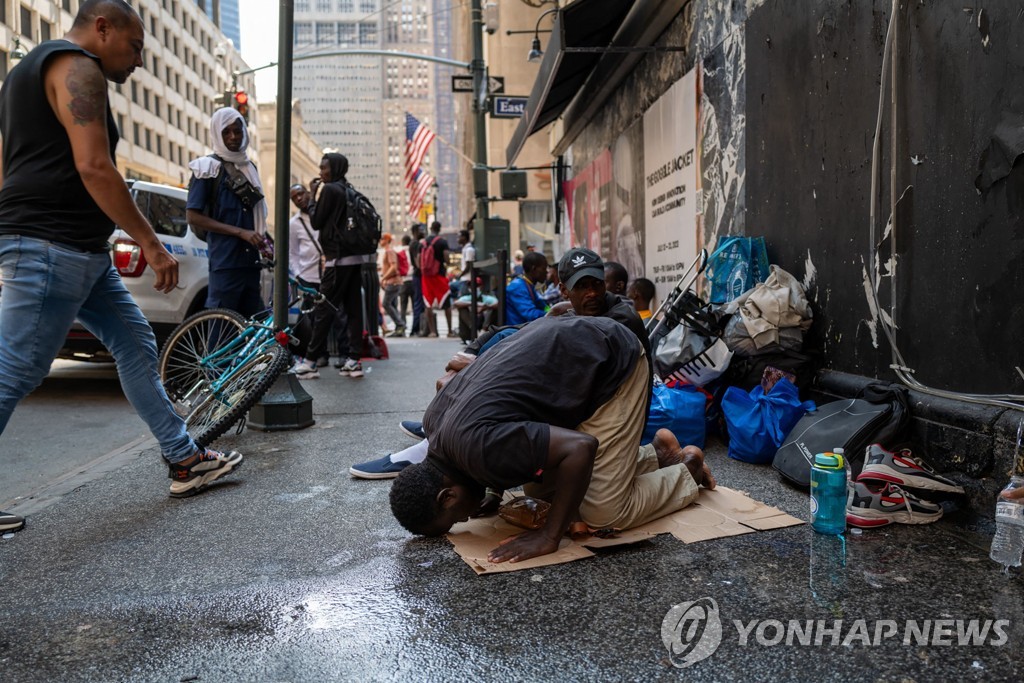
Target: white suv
[{"x": 164, "y": 207}]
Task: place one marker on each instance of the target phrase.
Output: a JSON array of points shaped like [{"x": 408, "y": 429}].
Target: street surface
[
  {"x": 77, "y": 414},
  {"x": 291, "y": 571}
]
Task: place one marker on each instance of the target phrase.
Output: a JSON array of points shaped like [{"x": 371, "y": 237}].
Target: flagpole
[{"x": 455, "y": 149}]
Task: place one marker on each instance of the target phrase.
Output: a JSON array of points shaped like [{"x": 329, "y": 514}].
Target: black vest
[{"x": 42, "y": 194}]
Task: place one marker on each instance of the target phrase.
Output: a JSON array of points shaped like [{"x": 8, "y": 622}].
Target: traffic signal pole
[
  {"x": 479, "y": 69},
  {"x": 282, "y": 179},
  {"x": 286, "y": 405}
]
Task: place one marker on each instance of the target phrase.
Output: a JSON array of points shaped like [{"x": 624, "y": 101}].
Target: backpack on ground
[
  {"x": 360, "y": 230},
  {"x": 879, "y": 416},
  {"x": 403, "y": 263},
  {"x": 428, "y": 259}
]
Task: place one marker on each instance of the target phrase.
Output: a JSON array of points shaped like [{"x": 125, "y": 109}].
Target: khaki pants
[{"x": 626, "y": 487}]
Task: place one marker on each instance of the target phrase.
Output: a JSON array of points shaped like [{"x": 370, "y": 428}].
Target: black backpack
[{"x": 360, "y": 231}]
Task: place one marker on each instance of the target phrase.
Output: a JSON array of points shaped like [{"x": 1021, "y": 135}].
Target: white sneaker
[
  {"x": 306, "y": 369},
  {"x": 351, "y": 368}
]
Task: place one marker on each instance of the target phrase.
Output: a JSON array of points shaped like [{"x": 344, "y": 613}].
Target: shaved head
[{"x": 117, "y": 12}]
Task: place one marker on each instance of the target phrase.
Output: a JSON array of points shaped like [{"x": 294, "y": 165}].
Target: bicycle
[{"x": 217, "y": 364}]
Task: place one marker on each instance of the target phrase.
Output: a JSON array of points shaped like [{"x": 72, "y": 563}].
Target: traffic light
[
  {"x": 241, "y": 103},
  {"x": 225, "y": 99}
]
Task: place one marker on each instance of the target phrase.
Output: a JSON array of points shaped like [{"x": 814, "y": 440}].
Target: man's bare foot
[{"x": 669, "y": 452}]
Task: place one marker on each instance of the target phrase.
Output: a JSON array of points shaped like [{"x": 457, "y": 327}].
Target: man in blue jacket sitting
[{"x": 522, "y": 303}]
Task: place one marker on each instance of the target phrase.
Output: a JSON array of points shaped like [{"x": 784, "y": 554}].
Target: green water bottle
[{"x": 828, "y": 494}]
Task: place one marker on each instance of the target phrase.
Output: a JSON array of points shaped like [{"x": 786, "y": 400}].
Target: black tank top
[{"x": 42, "y": 195}]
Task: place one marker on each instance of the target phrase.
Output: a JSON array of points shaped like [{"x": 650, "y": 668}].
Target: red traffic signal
[{"x": 241, "y": 104}]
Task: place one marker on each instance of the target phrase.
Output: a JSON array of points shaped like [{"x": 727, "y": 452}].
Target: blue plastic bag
[
  {"x": 759, "y": 423},
  {"x": 679, "y": 410},
  {"x": 736, "y": 265}
]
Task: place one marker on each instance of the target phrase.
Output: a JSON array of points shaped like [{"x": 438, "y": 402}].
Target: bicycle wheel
[
  {"x": 217, "y": 412},
  {"x": 196, "y": 337}
]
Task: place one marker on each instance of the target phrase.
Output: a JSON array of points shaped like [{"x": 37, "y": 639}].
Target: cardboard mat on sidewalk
[{"x": 716, "y": 514}]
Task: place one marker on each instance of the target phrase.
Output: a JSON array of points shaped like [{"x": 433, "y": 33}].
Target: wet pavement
[{"x": 291, "y": 571}]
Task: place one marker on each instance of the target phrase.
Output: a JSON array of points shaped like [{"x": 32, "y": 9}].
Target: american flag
[
  {"x": 417, "y": 139},
  {"x": 422, "y": 181}
]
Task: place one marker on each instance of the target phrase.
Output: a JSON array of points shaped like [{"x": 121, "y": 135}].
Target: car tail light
[{"x": 128, "y": 258}]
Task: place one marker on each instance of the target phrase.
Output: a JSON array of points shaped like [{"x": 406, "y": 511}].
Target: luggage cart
[{"x": 684, "y": 307}]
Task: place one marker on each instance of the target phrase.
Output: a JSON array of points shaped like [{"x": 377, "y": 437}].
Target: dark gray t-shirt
[{"x": 491, "y": 424}]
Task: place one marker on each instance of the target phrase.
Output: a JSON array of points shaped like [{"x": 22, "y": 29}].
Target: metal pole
[
  {"x": 479, "y": 70},
  {"x": 284, "y": 163},
  {"x": 286, "y": 405},
  {"x": 502, "y": 256},
  {"x": 473, "y": 290},
  {"x": 350, "y": 52}
]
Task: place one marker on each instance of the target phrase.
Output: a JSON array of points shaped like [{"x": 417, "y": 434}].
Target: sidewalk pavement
[{"x": 291, "y": 571}]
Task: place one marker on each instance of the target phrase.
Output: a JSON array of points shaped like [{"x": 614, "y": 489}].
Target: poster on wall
[
  {"x": 670, "y": 183},
  {"x": 626, "y": 230},
  {"x": 588, "y": 196},
  {"x": 604, "y": 203}
]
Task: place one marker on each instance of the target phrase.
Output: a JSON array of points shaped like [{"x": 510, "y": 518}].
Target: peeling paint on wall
[
  {"x": 810, "y": 273},
  {"x": 872, "y": 322}
]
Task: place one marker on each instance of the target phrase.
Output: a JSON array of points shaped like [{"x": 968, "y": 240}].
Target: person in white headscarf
[{"x": 235, "y": 222}]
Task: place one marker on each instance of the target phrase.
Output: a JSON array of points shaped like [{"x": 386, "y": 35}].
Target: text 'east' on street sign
[{"x": 507, "y": 107}]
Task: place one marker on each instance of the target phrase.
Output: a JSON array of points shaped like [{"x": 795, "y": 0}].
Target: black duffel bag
[{"x": 880, "y": 414}]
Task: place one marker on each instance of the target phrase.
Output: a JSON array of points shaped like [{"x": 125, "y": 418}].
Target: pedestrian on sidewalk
[
  {"x": 391, "y": 281},
  {"x": 225, "y": 199},
  {"x": 468, "y": 256},
  {"x": 306, "y": 261},
  {"x": 61, "y": 198},
  {"x": 415, "y": 247},
  {"x": 436, "y": 289},
  {"x": 343, "y": 268},
  {"x": 407, "y": 291}
]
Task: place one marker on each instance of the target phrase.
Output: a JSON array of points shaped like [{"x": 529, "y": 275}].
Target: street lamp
[
  {"x": 17, "y": 52},
  {"x": 536, "y": 54}
]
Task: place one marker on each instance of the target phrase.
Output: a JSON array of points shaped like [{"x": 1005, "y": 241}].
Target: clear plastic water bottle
[
  {"x": 828, "y": 494},
  {"x": 1008, "y": 543}
]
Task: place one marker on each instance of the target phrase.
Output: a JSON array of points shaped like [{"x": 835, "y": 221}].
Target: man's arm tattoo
[{"x": 88, "y": 91}]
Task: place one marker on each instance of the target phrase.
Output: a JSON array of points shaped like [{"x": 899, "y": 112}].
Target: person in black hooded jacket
[{"x": 341, "y": 280}]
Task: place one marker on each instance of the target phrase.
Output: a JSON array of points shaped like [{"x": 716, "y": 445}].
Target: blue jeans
[{"x": 45, "y": 287}]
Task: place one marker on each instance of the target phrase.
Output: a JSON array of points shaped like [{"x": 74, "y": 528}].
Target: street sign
[
  {"x": 495, "y": 84},
  {"x": 462, "y": 84},
  {"x": 507, "y": 107}
]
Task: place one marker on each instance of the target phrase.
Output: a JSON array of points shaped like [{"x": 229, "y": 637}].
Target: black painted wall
[{"x": 812, "y": 87}]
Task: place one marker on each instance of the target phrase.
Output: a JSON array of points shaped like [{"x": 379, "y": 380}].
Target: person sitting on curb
[
  {"x": 498, "y": 424},
  {"x": 641, "y": 292},
  {"x": 522, "y": 303},
  {"x": 581, "y": 272},
  {"x": 616, "y": 278}
]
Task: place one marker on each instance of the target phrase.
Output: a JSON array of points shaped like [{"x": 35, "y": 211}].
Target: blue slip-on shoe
[
  {"x": 381, "y": 468},
  {"x": 413, "y": 429}
]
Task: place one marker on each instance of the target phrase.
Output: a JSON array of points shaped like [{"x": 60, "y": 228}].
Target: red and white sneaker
[
  {"x": 903, "y": 469},
  {"x": 873, "y": 505},
  {"x": 211, "y": 465}
]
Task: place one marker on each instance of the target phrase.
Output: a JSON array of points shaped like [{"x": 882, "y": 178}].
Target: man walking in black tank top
[{"x": 61, "y": 197}]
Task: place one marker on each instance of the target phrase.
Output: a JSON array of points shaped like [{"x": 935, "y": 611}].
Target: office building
[{"x": 356, "y": 104}]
